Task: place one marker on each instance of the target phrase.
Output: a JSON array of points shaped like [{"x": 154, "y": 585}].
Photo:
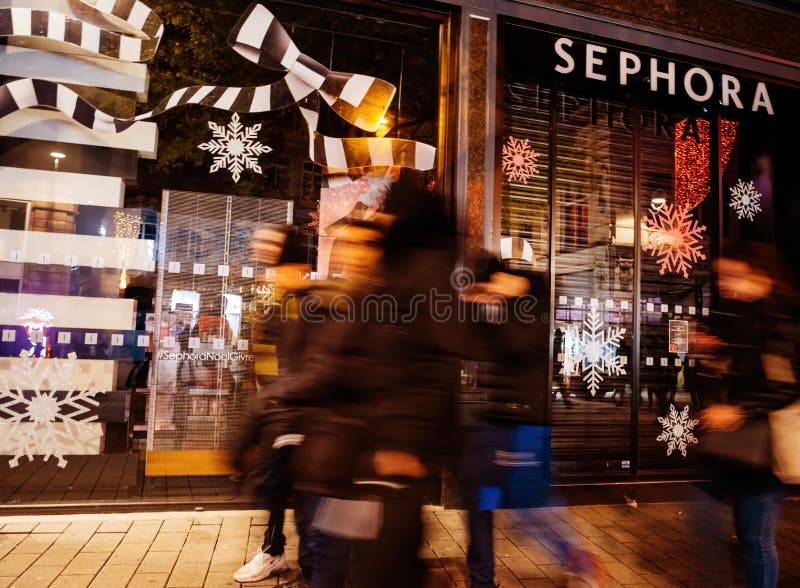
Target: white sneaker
[{"x": 263, "y": 565}]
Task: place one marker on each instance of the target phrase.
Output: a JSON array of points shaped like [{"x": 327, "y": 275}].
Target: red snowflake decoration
[
  {"x": 675, "y": 239},
  {"x": 519, "y": 160}
]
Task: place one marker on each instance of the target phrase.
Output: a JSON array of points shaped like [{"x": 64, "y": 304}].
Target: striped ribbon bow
[
  {"x": 259, "y": 37},
  {"x": 85, "y": 24}
]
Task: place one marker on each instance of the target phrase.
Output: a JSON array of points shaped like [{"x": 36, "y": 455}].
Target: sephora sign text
[{"x": 601, "y": 63}]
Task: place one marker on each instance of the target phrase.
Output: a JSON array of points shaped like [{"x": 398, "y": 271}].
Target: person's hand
[
  {"x": 398, "y": 463},
  {"x": 704, "y": 343},
  {"x": 722, "y": 417}
]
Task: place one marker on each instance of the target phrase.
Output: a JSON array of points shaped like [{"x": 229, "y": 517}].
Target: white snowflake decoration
[
  {"x": 745, "y": 200},
  {"x": 519, "y": 160},
  {"x": 593, "y": 350},
  {"x": 675, "y": 239},
  {"x": 235, "y": 148},
  {"x": 45, "y": 422},
  {"x": 678, "y": 429}
]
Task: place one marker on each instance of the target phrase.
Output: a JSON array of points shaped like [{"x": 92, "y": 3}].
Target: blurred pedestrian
[
  {"x": 752, "y": 343},
  {"x": 413, "y": 378},
  {"x": 328, "y": 390},
  {"x": 269, "y": 426}
]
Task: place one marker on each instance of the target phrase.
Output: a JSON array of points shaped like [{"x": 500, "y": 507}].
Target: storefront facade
[{"x": 614, "y": 158}]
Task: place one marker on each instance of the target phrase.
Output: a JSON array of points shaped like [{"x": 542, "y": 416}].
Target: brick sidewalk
[{"x": 669, "y": 544}]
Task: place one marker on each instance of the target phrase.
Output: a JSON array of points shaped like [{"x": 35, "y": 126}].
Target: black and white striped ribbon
[
  {"x": 259, "y": 37},
  {"x": 146, "y": 29}
]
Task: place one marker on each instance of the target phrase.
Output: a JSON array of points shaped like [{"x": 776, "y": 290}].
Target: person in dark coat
[
  {"x": 414, "y": 376},
  {"x": 753, "y": 341}
]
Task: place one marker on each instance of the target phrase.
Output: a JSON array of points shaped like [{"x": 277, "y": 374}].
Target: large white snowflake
[
  {"x": 593, "y": 350},
  {"x": 675, "y": 239},
  {"x": 43, "y": 406},
  {"x": 519, "y": 160},
  {"x": 745, "y": 200},
  {"x": 678, "y": 429},
  {"x": 235, "y": 148}
]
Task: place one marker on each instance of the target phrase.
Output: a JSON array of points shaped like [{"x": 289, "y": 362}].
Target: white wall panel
[
  {"x": 101, "y": 372},
  {"x": 53, "y": 186},
  {"x": 79, "y": 312},
  {"x": 115, "y": 252}
]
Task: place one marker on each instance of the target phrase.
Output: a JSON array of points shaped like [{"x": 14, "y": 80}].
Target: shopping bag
[
  {"x": 516, "y": 468},
  {"x": 785, "y": 436},
  {"x": 748, "y": 447}
]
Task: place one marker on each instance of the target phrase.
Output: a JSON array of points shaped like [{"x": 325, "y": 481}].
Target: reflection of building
[{"x": 609, "y": 155}]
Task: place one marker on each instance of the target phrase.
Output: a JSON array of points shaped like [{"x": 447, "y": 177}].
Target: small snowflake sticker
[
  {"x": 519, "y": 160},
  {"x": 745, "y": 200},
  {"x": 675, "y": 239},
  {"x": 44, "y": 411},
  {"x": 677, "y": 430},
  {"x": 593, "y": 350},
  {"x": 235, "y": 147}
]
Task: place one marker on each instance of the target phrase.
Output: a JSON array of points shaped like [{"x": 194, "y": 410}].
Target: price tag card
[
  {"x": 648, "y": 361},
  {"x": 43, "y": 258},
  {"x": 218, "y": 344},
  {"x": 664, "y": 362},
  {"x": 562, "y": 300},
  {"x": 9, "y": 335},
  {"x": 578, "y": 301},
  {"x": 665, "y": 308},
  {"x": 168, "y": 341},
  {"x": 16, "y": 257},
  {"x": 692, "y": 310},
  {"x": 242, "y": 344},
  {"x": 650, "y": 307},
  {"x": 90, "y": 339},
  {"x": 194, "y": 342},
  {"x": 247, "y": 272},
  {"x": 199, "y": 269},
  {"x": 117, "y": 339},
  {"x": 223, "y": 271},
  {"x": 142, "y": 341},
  {"x": 624, "y": 305},
  {"x": 174, "y": 267},
  {"x": 64, "y": 337},
  {"x": 678, "y": 309}
]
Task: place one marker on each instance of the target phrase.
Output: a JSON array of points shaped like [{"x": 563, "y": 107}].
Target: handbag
[
  {"x": 516, "y": 467},
  {"x": 747, "y": 447},
  {"x": 785, "y": 430}
]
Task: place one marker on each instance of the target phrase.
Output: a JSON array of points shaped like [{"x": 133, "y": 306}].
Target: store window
[
  {"x": 633, "y": 168},
  {"x": 87, "y": 239}
]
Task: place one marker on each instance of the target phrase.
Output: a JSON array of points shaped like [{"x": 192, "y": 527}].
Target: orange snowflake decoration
[
  {"x": 519, "y": 160},
  {"x": 675, "y": 239}
]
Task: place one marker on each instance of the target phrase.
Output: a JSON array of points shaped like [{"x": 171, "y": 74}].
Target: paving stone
[
  {"x": 36, "y": 543},
  {"x": 227, "y": 560},
  {"x": 15, "y": 564},
  {"x": 58, "y": 555},
  {"x": 220, "y": 580},
  {"x": 37, "y": 576},
  {"x": 114, "y": 575},
  {"x": 622, "y": 573},
  {"x": 131, "y": 553},
  {"x": 523, "y": 568},
  {"x": 103, "y": 542},
  {"x": 158, "y": 562},
  {"x": 196, "y": 553},
  {"x": 141, "y": 533},
  {"x": 51, "y": 527},
  {"x": 446, "y": 549},
  {"x": 78, "y": 581},
  {"x": 19, "y": 527},
  {"x": 148, "y": 581},
  {"x": 168, "y": 542},
  {"x": 176, "y": 525},
  {"x": 115, "y": 526},
  {"x": 86, "y": 563},
  {"x": 188, "y": 574}
]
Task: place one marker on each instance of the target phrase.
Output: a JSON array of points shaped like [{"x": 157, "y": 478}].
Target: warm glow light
[
  {"x": 693, "y": 158},
  {"x": 57, "y": 154}
]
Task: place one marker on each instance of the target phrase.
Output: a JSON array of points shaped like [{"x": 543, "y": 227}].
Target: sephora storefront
[{"x": 625, "y": 169}]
